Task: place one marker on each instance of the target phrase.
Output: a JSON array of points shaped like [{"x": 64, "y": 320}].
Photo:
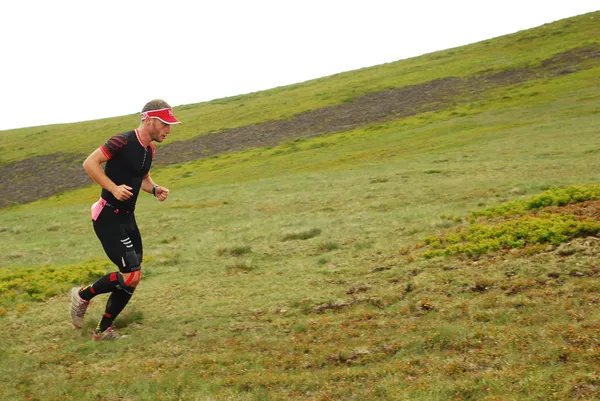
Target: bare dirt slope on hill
[
  {"x": 43, "y": 176},
  {"x": 389, "y": 105}
]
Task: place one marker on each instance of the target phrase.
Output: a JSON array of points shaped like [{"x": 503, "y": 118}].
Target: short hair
[{"x": 156, "y": 104}]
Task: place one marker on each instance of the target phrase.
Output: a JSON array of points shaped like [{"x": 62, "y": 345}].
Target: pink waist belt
[{"x": 101, "y": 204}]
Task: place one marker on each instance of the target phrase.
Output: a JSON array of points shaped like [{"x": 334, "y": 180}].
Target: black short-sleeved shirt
[{"x": 128, "y": 163}]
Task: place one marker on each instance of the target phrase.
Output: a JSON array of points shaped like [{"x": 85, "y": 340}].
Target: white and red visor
[{"x": 164, "y": 115}]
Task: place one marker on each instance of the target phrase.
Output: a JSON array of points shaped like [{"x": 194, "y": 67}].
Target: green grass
[{"x": 347, "y": 307}]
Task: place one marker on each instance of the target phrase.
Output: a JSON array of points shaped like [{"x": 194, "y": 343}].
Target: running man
[{"x": 128, "y": 157}]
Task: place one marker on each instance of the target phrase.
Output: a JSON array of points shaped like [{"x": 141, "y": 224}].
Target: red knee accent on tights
[
  {"x": 113, "y": 277},
  {"x": 106, "y": 314},
  {"x": 132, "y": 276}
]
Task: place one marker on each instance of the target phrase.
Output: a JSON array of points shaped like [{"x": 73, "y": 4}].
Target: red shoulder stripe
[
  {"x": 106, "y": 152},
  {"x": 114, "y": 144}
]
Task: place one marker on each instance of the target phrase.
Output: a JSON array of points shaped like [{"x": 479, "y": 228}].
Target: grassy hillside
[
  {"x": 524, "y": 49},
  {"x": 431, "y": 257}
]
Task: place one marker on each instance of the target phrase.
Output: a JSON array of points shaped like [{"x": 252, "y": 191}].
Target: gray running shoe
[
  {"x": 106, "y": 335},
  {"x": 78, "y": 308}
]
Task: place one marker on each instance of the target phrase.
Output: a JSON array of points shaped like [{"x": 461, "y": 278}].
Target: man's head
[{"x": 157, "y": 118}]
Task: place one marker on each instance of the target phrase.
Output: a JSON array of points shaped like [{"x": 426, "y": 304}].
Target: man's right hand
[{"x": 122, "y": 192}]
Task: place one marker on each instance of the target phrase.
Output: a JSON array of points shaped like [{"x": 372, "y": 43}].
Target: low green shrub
[
  {"x": 234, "y": 250},
  {"x": 524, "y": 224},
  {"x": 21, "y": 284},
  {"x": 302, "y": 235},
  {"x": 522, "y": 232},
  {"x": 551, "y": 197},
  {"x": 328, "y": 246}
]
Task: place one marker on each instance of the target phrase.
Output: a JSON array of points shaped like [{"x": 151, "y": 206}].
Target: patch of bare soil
[
  {"x": 40, "y": 177},
  {"x": 44, "y": 176},
  {"x": 586, "y": 209}
]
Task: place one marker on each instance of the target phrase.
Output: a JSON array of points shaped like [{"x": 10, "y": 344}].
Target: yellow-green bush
[
  {"x": 525, "y": 231},
  {"x": 523, "y": 224},
  {"x": 21, "y": 284},
  {"x": 552, "y": 197}
]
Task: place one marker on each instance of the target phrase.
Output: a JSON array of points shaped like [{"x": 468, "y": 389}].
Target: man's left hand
[{"x": 162, "y": 193}]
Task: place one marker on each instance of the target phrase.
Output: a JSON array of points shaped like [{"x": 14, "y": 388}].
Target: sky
[{"x": 65, "y": 61}]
